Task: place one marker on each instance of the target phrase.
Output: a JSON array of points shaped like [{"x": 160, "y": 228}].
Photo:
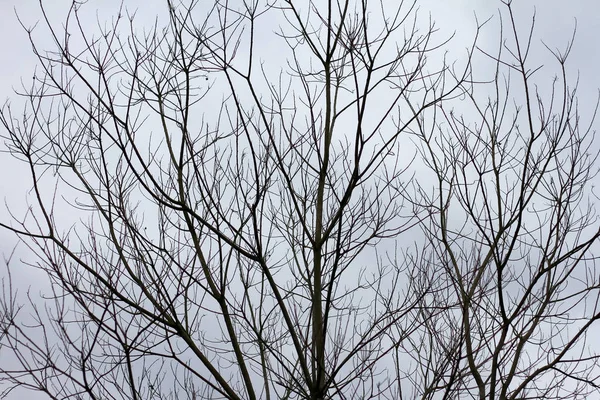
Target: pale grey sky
[{"x": 554, "y": 25}]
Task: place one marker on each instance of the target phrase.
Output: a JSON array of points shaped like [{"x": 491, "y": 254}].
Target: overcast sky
[{"x": 555, "y": 22}]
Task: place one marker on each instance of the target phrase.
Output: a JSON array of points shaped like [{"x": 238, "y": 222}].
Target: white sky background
[{"x": 554, "y": 24}]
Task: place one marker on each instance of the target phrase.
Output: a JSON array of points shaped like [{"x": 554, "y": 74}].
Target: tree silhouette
[{"x": 364, "y": 220}]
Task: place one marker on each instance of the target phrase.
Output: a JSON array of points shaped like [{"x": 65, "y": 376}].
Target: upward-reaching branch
[{"x": 281, "y": 200}]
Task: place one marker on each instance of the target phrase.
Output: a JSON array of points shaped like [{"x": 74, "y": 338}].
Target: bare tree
[
  {"x": 511, "y": 236},
  {"x": 239, "y": 226}
]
